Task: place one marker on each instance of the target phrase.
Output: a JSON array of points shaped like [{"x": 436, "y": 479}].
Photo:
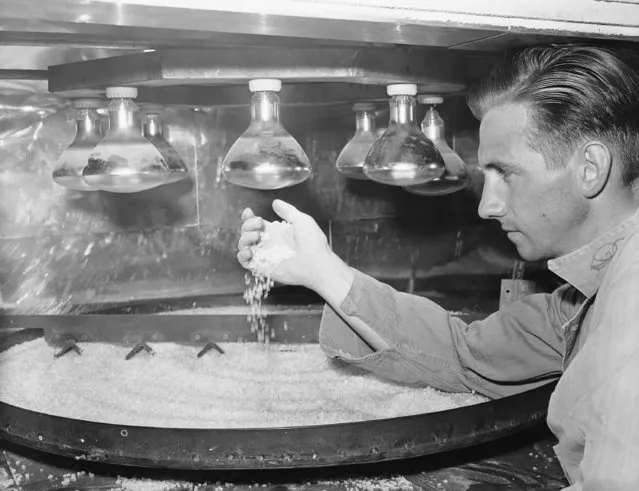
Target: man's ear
[{"x": 595, "y": 167}]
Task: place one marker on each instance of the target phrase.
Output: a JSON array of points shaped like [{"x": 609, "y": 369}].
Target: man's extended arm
[{"x": 515, "y": 349}]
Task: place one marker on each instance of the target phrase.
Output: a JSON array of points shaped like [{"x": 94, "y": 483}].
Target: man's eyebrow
[{"x": 496, "y": 165}]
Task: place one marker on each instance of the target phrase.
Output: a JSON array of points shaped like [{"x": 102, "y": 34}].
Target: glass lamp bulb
[
  {"x": 154, "y": 132},
  {"x": 403, "y": 155},
  {"x": 68, "y": 168},
  {"x": 456, "y": 177},
  {"x": 266, "y": 156},
  {"x": 350, "y": 161},
  {"x": 124, "y": 161}
]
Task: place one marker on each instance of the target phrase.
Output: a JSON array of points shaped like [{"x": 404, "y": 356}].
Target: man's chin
[
  {"x": 525, "y": 250},
  {"x": 529, "y": 254},
  {"x": 529, "y": 257}
]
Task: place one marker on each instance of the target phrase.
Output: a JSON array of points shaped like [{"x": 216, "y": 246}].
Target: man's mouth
[{"x": 511, "y": 232}]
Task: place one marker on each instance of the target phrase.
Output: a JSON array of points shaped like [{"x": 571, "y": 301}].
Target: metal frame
[{"x": 211, "y": 73}]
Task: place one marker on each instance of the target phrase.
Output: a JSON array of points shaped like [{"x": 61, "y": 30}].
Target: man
[{"x": 559, "y": 146}]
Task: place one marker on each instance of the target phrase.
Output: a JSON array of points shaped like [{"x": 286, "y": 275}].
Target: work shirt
[{"x": 586, "y": 332}]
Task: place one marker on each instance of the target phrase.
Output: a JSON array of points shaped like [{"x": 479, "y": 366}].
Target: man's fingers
[
  {"x": 247, "y": 213},
  {"x": 247, "y": 239},
  {"x": 287, "y": 211},
  {"x": 253, "y": 223},
  {"x": 244, "y": 256}
]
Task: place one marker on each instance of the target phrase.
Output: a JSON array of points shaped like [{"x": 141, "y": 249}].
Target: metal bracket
[
  {"x": 209, "y": 346},
  {"x": 69, "y": 345},
  {"x": 139, "y": 347}
]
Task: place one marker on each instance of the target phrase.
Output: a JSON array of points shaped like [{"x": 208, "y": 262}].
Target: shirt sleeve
[{"x": 516, "y": 349}]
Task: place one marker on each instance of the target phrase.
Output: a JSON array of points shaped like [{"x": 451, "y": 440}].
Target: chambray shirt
[{"x": 586, "y": 332}]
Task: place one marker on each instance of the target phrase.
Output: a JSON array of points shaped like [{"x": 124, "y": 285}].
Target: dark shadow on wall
[{"x": 165, "y": 206}]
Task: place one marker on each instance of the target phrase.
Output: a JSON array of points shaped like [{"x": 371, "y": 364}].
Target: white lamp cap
[
  {"x": 265, "y": 84},
  {"x": 87, "y": 103},
  {"x": 401, "y": 89},
  {"x": 430, "y": 99},
  {"x": 121, "y": 92},
  {"x": 364, "y": 106}
]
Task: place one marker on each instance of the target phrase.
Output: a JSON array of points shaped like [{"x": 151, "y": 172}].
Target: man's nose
[{"x": 492, "y": 204}]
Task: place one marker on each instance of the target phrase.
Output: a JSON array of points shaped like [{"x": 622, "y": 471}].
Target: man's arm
[
  {"x": 515, "y": 349},
  {"x": 406, "y": 337},
  {"x": 333, "y": 282}
]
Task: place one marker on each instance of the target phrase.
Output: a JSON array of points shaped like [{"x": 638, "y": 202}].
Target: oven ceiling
[{"x": 198, "y": 55}]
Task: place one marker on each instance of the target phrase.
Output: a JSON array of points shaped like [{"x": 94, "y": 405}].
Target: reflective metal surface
[
  {"x": 40, "y": 57},
  {"x": 12, "y": 74},
  {"x": 71, "y": 16},
  {"x": 24, "y": 104},
  {"x": 70, "y": 28},
  {"x": 433, "y": 23}
]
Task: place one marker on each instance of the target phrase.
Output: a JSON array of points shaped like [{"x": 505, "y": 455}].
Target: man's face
[{"x": 538, "y": 208}]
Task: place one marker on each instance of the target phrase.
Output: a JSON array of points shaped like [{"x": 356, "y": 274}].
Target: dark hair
[{"x": 572, "y": 92}]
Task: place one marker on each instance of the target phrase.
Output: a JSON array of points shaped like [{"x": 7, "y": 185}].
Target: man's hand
[
  {"x": 313, "y": 264},
  {"x": 311, "y": 256}
]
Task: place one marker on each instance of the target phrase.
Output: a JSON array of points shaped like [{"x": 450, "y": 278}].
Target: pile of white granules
[
  {"x": 252, "y": 385},
  {"x": 268, "y": 254}
]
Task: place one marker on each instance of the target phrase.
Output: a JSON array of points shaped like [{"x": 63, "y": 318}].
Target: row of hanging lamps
[
  {"x": 133, "y": 158},
  {"x": 266, "y": 156},
  {"x": 123, "y": 161},
  {"x": 456, "y": 177}
]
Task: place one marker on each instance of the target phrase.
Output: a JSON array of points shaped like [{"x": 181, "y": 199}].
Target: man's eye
[{"x": 502, "y": 172}]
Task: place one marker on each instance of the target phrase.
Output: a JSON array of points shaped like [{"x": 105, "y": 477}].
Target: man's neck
[{"x": 609, "y": 213}]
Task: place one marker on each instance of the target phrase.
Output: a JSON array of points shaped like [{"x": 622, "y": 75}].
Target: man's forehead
[{"x": 504, "y": 129}]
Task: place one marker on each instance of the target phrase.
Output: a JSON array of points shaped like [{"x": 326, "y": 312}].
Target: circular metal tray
[{"x": 287, "y": 447}]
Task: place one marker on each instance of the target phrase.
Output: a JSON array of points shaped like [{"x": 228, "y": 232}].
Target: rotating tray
[{"x": 287, "y": 447}]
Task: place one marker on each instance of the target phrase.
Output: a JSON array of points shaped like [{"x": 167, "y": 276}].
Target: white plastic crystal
[
  {"x": 268, "y": 254},
  {"x": 272, "y": 249}
]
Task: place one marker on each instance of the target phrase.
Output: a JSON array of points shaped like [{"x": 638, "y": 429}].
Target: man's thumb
[{"x": 286, "y": 211}]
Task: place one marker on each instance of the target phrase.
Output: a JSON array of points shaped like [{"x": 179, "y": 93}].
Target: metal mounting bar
[{"x": 428, "y": 68}]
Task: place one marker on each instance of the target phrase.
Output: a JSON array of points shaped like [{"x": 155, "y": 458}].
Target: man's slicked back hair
[{"x": 572, "y": 93}]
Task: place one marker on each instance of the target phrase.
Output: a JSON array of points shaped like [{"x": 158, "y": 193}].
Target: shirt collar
[{"x": 585, "y": 268}]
